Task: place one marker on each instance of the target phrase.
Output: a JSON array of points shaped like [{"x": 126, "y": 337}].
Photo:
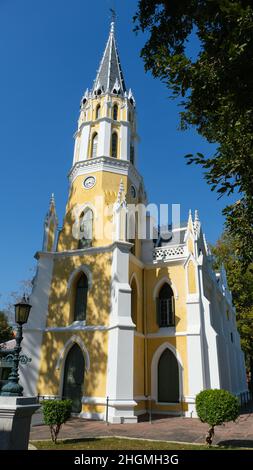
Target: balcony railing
[{"x": 166, "y": 253}]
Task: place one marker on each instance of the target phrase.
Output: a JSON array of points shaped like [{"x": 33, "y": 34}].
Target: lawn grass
[{"x": 114, "y": 443}]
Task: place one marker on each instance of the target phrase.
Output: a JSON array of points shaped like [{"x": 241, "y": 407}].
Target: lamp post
[{"x": 12, "y": 388}]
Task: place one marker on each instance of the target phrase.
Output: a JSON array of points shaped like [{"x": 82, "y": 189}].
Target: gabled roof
[{"x": 110, "y": 76}]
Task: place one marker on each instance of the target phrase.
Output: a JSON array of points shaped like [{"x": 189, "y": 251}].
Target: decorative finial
[
  {"x": 190, "y": 215},
  {"x": 196, "y": 216},
  {"x": 52, "y": 200},
  {"x": 121, "y": 190},
  {"x": 113, "y": 19}
]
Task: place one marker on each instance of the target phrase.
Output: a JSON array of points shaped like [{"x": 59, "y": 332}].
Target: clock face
[
  {"x": 89, "y": 182},
  {"x": 133, "y": 192}
]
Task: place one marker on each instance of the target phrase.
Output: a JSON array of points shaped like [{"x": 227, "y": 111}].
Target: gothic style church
[{"x": 121, "y": 319}]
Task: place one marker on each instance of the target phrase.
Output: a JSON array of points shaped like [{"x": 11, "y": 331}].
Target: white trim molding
[
  {"x": 105, "y": 163},
  {"x": 66, "y": 348}
]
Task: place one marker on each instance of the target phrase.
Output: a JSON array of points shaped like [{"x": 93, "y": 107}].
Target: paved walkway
[{"x": 180, "y": 429}]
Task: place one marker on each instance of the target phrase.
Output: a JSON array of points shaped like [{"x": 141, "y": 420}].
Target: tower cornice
[{"x": 109, "y": 164}]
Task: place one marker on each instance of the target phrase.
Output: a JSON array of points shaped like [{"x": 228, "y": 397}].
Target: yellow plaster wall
[
  {"x": 190, "y": 246},
  {"x": 141, "y": 405},
  {"x": 191, "y": 278},
  {"x": 180, "y": 344},
  {"x": 90, "y": 408},
  {"x": 96, "y": 343},
  {"x": 102, "y": 195},
  {"x": 61, "y": 298},
  {"x": 178, "y": 407}
]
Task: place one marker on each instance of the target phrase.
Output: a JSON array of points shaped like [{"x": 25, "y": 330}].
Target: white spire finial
[
  {"x": 196, "y": 216},
  {"x": 52, "y": 200},
  {"x": 121, "y": 191},
  {"x": 190, "y": 216}
]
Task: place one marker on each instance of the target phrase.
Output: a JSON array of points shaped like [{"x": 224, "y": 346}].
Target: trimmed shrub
[
  {"x": 216, "y": 407},
  {"x": 56, "y": 413}
]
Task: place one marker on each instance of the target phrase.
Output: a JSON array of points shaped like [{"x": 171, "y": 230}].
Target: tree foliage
[
  {"x": 216, "y": 89},
  {"x": 6, "y": 332},
  {"x": 216, "y": 407},
  {"x": 56, "y": 413}
]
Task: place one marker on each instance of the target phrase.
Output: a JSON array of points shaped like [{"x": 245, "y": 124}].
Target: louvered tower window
[
  {"x": 98, "y": 111},
  {"x": 114, "y": 145},
  {"x": 94, "y": 146},
  {"x": 115, "y": 112}
]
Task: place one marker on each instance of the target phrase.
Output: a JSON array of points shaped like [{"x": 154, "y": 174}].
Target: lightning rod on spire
[{"x": 113, "y": 19}]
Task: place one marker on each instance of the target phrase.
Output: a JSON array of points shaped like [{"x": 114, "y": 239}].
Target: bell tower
[
  {"x": 81, "y": 295},
  {"x": 105, "y": 156},
  {"x": 107, "y": 109}
]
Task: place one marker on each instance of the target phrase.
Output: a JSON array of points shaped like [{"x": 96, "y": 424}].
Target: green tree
[
  {"x": 216, "y": 89},
  {"x": 56, "y": 413},
  {"x": 6, "y": 332},
  {"x": 216, "y": 407},
  {"x": 240, "y": 283}
]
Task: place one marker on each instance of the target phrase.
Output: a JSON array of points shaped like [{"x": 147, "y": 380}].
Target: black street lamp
[{"x": 12, "y": 388}]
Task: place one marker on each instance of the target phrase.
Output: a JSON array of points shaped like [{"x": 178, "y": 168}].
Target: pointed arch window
[
  {"x": 115, "y": 112},
  {"x": 134, "y": 295},
  {"x": 132, "y": 153},
  {"x": 168, "y": 378},
  {"x": 114, "y": 145},
  {"x": 94, "y": 146},
  {"x": 132, "y": 230},
  {"x": 86, "y": 229},
  {"x": 80, "y": 303},
  {"x": 98, "y": 111},
  {"x": 165, "y": 307}
]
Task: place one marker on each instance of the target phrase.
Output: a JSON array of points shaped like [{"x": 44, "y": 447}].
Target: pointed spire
[
  {"x": 190, "y": 217},
  {"x": 50, "y": 227},
  {"x": 121, "y": 192},
  {"x": 52, "y": 209},
  {"x": 109, "y": 72},
  {"x": 52, "y": 200},
  {"x": 196, "y": 223}
]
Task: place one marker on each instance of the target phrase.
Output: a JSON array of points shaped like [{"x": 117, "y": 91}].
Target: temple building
[{"x": 123, "y": 323}]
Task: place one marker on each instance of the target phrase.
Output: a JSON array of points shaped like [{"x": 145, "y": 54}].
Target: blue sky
[{"x": 50, "y": 51}]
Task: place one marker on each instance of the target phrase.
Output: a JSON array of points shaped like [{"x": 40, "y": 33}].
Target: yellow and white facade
[{"x": 121, "y": 324}]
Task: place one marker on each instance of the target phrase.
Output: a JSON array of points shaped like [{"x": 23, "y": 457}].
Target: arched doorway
[
  {"x": 74, "y": 378},
  {"x": 168, "y": 378}
]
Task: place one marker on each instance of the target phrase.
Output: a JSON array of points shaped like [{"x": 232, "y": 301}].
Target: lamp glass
[{"x": 22, "y": 310}]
